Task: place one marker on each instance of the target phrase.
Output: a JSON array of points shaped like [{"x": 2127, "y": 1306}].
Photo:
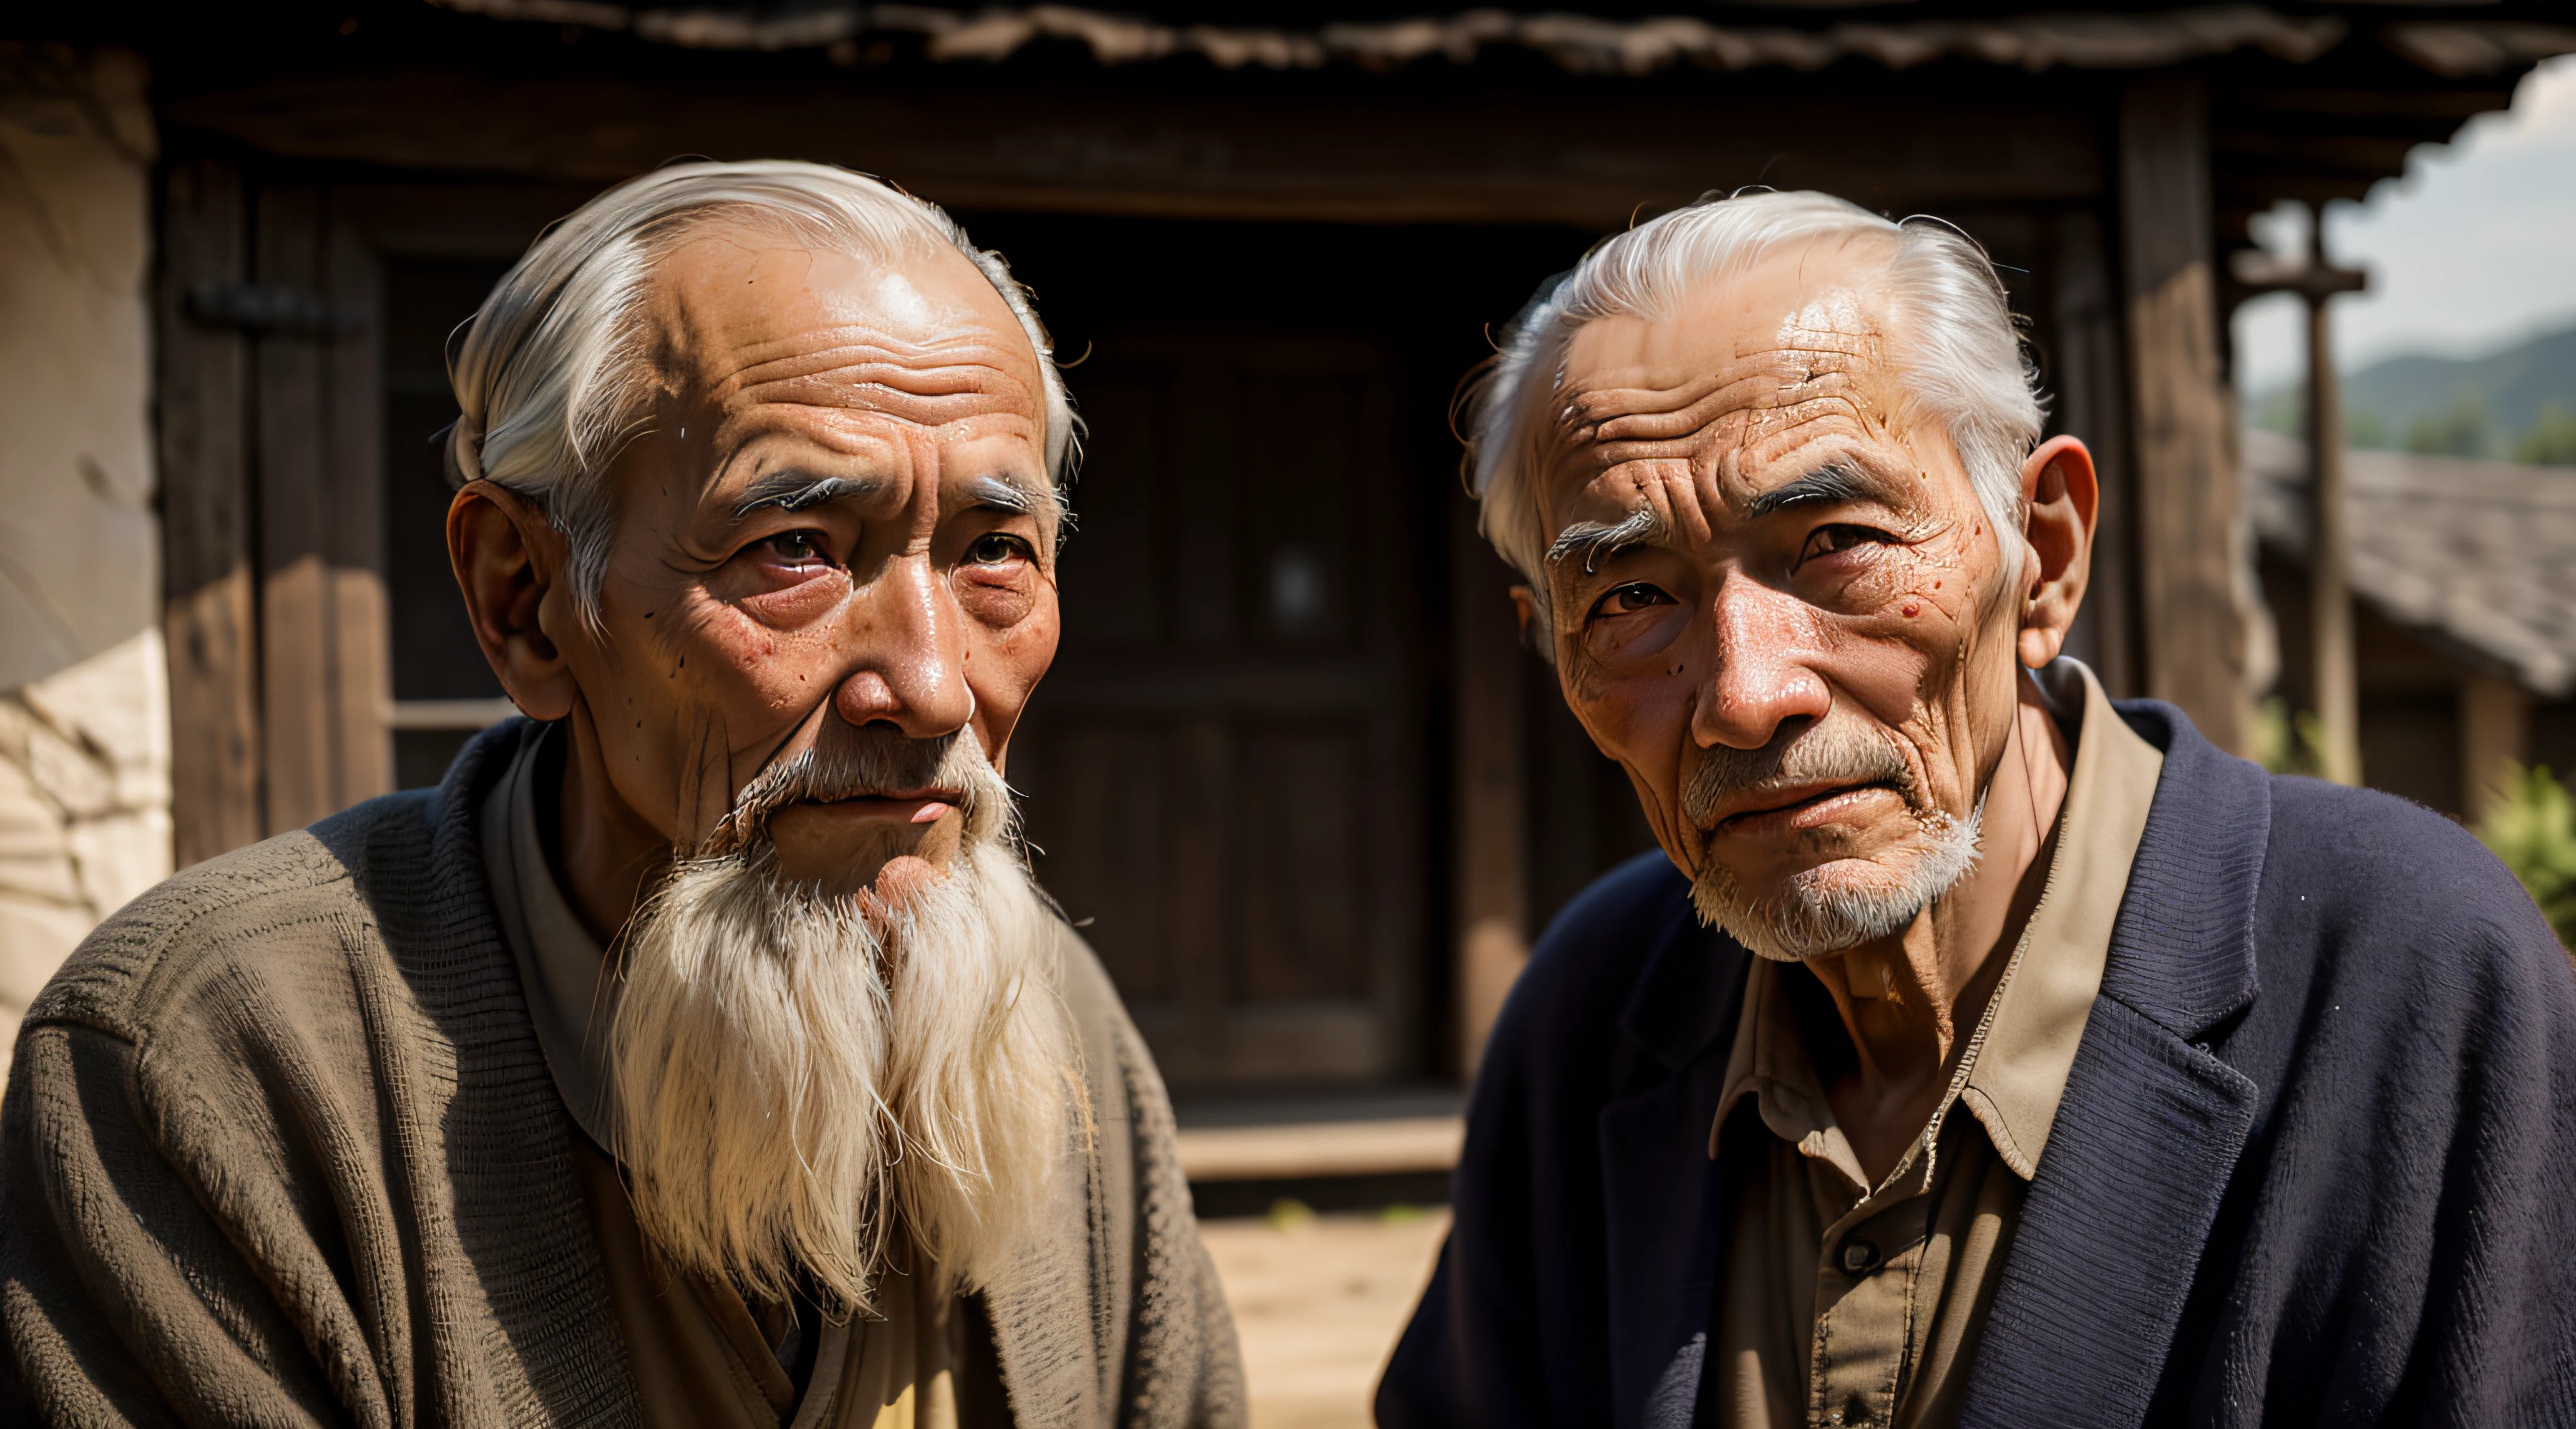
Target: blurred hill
[{"x": 2518, "y": 404}]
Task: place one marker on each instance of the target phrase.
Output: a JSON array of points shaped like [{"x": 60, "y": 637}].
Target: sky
[{"x": 2472, "y": 251}]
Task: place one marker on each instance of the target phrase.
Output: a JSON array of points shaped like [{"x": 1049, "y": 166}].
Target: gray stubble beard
[{"x": 1833, "y": 907}]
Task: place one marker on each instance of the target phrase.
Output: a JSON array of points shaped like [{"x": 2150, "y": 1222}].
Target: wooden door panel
[
  {"x": 1304, "y": 833},
  {"x": 1221, "y": 770},
  {"x": 1108, "y": 847}
]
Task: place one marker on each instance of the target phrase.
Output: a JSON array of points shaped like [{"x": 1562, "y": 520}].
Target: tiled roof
[
  {"x": 2479, "y": 554},
  {"x": 1585, "y": 44}
]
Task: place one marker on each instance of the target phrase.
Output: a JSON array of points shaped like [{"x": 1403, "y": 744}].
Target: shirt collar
[
  {"x": 562, "y": 970},
  {"x": 2019, "y": 1061},
  {"x": 2047, "y": 991}
]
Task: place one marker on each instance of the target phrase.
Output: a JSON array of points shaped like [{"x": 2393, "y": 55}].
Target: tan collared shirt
[
  {"x": 703, "y": 1357},
  {"x": 1844, "y": 1304}
]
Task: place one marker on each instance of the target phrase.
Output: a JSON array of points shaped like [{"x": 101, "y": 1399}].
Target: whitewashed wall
[{"x": 84, "y": 702}]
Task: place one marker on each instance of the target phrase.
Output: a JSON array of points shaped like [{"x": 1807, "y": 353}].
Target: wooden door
[
  {"x": 270, "y": 437},
  {"x": 318, "y": 649},
  {"x": 1223, "y": 775}
]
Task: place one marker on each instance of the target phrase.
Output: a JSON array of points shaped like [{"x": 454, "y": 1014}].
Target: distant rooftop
[{"x": 2478, "y": 555}]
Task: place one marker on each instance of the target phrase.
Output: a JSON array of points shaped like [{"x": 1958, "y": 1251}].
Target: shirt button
[{"x": 1860, "y": 1257}]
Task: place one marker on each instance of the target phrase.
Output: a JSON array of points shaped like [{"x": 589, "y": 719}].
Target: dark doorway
[{"x": 1236, "y": 771}]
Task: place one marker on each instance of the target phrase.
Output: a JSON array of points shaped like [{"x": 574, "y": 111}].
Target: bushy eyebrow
[
  {"x": 1596, "y": 541},
  {"x": 1832, "y": 483},
  {"x": 1000, "y": 493},
  {"x": 793, "y": 490}
]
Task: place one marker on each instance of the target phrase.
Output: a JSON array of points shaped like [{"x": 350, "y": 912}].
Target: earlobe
[{"x": 507, "y": 556}]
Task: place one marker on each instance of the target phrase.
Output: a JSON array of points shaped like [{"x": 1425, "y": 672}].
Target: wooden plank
[
  {"x": 1490, "y": 765},
  {"x": 2195, "y": 570},
  {"x": 1472, "y": 157},
  {"x": 1327, "y": 1148},
  {"x": 201, "y": 407},
  {"x": 2090, "y": 383},
  {"x": 354, "y": 446},
  {"x": 294, "y": 535}
]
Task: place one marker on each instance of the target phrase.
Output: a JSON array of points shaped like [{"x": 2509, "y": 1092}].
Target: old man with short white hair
[
  {"x": 1975, "y": 1050},
  {"x": 700, "y": 1053}
]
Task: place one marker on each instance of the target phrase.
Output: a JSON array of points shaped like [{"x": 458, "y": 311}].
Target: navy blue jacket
[{"x": 2315, "y": 1163}]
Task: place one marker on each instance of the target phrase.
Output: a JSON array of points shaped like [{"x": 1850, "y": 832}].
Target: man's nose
[
  {"x": 1762, "y": 675},
  {"x": 910, "y": 641}
]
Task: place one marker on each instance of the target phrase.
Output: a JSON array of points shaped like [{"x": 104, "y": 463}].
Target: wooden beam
[
  {"x": 201, "y": 408},
  {"x": 2195, "y": 566},
  {"x": 977, "y": 143},
  {"x": 1490, "y": 753}
]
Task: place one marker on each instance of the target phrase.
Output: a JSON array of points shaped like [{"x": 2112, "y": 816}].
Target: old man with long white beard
[{"x": 700, "y": 1052}]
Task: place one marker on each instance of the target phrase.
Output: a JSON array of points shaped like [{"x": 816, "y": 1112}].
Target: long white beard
[{"x": 793, "y": 1085}]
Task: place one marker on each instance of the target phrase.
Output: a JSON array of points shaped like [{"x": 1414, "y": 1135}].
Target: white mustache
[
  {"x": 1829, "y": 753},
  {"x": 877, "y": 761}
]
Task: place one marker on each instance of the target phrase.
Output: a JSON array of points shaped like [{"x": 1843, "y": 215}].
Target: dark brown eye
[
  {"x": 797, "y": 547},
  {"x": 1826, "y": 540},
  {"x": 1630, "y": 598},
  {"x": 993, "y": 548}
]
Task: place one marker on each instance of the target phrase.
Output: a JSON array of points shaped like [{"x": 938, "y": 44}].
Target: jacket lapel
[
  {"x": 2152, "y": 1123},
  {"x": 1657, "y": 1182}
]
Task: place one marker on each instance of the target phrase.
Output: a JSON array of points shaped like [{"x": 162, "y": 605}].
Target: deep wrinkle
[
  {"x": 1817, "y": 552},
  {"x": 837, "y": 513}
]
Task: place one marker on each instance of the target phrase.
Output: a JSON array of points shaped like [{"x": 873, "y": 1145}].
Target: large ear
[
  {"x": 2061, "y": 496},
  {"x": 507, "y": 557}
]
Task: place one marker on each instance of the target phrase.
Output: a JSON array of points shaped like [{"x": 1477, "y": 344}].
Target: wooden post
[
  {"x": 362, "y": 687},
  {"x": 2334, "y": 676},
  {"x": 208, "y": 610},
  {"x": 294, "y": 509},
  {"x": 2495, "y": 731},
  {"x": 2092, "y": 404},
  {"x": 2195, "y": 571},
  {"x": 1488, "y": 719}
]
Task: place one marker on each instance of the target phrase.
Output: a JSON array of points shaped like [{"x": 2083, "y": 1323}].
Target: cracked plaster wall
[{"x": 84, "y": 695}]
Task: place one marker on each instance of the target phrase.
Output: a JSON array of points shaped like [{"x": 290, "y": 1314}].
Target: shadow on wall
[{"x": 84, "y": 706}]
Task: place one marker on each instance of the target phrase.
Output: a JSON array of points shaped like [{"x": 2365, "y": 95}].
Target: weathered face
[
  {"x": 835, "y": 536},
  {"x": 1777, "y": 600}
]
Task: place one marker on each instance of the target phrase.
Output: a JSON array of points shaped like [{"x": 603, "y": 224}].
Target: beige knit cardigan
[{"x": 279, "y": 1148}]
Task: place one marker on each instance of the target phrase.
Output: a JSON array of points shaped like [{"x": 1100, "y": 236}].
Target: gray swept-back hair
[
  {"x": 1952, "y": 340},
  {"x": 552, "y": 379}
]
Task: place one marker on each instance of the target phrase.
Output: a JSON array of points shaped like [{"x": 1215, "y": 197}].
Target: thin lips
[{"x": 1781, "y": 797}]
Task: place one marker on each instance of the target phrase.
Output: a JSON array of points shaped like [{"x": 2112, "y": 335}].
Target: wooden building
[
  {"x": 1291, "y": 765},
  {"x": 2465, "y": 606}
]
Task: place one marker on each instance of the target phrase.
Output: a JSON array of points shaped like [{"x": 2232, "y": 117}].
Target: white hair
[
  {"x": 551, "y": 377},
  {"x": 1953, "y": 341}
]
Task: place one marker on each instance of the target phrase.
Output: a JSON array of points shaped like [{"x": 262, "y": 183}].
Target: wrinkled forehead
[
  {"x": 1740, "y": 381},
  {"x": 737, "y": 308}
]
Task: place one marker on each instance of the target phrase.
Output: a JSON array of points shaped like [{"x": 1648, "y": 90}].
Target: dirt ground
[{"x": 1319, "y": 1301}]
